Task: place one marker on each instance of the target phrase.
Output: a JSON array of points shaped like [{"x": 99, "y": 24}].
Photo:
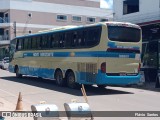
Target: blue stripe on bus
[
  {"x": 101, "y": 78},
  {"x": 113, "y": 45},
  {"x": 40, "y": 72},
  {"x": 80, "y": 54}
]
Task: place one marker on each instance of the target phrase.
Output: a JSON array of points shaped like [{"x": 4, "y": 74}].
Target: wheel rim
[
  {"x": 71, "y": 81},
  {"x": 59, "y": 78}
]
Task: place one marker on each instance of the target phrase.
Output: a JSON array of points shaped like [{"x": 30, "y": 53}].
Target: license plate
[{"x": 123, "y": 74}]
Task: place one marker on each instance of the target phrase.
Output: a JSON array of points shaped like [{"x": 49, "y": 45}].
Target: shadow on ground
[{"x": 51, "y": 85}]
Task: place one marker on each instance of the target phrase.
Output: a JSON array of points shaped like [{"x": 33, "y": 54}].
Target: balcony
[
  {"x": 4, "y": 22},
  {"x": 4, "y": 40}
]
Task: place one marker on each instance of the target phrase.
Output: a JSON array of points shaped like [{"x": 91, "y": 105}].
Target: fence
[{"x": 4, "y": 37}]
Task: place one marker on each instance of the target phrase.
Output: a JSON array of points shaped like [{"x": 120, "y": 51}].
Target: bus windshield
[{"x": 123, "y": 34}]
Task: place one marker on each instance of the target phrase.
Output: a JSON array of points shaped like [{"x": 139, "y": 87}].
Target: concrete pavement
[{"x": 110, "y": 99}]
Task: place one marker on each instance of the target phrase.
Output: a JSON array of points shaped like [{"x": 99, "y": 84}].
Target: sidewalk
[
  {"x": 6, "y": 106},
  {"x": 148, "y": 86}
]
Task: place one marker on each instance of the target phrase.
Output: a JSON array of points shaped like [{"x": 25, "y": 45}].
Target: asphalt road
[{"x": 35, "y": 90}]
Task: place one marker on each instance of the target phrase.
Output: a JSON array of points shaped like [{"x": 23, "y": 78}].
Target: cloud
[{"x": 106, "y": 4}]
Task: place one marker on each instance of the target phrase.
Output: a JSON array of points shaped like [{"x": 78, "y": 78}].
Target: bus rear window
[{"x": 124, "y": 34}]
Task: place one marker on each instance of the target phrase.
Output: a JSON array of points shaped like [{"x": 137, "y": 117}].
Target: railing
[
  {"x": 4, "y": 37},
  {"x": 4, "y": 20},
  {"x": 140, "y": 18}
]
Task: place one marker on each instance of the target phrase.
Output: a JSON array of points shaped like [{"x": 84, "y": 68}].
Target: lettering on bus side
[
  {"x": 123, "y": 56},
  {"x": 35, "y": 54},
  {"x": 46, "y": 54}
]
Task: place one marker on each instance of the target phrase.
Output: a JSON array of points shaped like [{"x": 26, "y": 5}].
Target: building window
[
  {"x": 130, "y": 6},
  {"x": 61, "y": 17},
  {"x": 91, "y": 20},
  {"x": 103, "y": 20},
  {"x": 77, "y": 18}
]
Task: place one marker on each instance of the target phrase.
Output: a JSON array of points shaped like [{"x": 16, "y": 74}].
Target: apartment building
[
  {"x": 19, "y": 17},
  {"x": 145, "y": 13}
]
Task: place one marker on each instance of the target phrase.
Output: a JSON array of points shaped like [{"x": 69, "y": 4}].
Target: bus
[{"x": 102, "y": 54}]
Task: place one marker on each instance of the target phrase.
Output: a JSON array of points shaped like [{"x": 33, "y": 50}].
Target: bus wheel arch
[
  {"x": 16, "y": 70},
  {"x": 58, "y": 75}
]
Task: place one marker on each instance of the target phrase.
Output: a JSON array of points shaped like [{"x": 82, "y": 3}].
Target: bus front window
[{"x": 124, "y": 34}]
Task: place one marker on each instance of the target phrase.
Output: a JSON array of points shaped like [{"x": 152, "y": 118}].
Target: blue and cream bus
[{"x": 101, "y": 54}]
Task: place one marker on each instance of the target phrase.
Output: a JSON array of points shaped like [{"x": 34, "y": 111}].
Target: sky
[{"x": 107, "y": 4}]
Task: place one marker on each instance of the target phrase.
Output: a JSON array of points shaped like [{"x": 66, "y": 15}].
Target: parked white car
[{"x": 5, "y": 63}]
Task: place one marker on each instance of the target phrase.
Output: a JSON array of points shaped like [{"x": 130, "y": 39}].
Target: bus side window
[
  {"x": 38, "y": 42},
  {"x": 29, "y": 43},
  {"x": 84, "y": 38},
  {"x": 43, "y": 41},
  {"x": 65, "y": 40},
  {"x": 52, "y": 41},
  {"x": 89, "y": 37},
  {"x": 80, "y": 42},
  {"x": 34, "y": 43},
  {"x": 68, "y": 40},
  {"x": 19, "y": 45},
  {"x": 22, "y": 43},
  {"x": 49, "y": 41},
  {"x": 62, "y": 40},
  {"x": 74, "y": 39},
  {"x": 57, "y": 39},
  {"x": 26, "y": 43},
  {"x": 93, "y": 36}
]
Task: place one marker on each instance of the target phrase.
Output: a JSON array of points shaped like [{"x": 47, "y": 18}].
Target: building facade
[
  {"x": 20, "y": 17},
  {"x": 145, "y": 13}
]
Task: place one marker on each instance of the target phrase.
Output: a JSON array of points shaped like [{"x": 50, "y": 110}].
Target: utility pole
[{"x": 14, "y": 28}]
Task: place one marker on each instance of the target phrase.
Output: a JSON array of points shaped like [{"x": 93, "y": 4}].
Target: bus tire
[
  {"x": 59, "y": 78},
  {"x": 102, "y": 86},
  {"x": 71, "y": 80},
  {"x": 18, "y": 75}
]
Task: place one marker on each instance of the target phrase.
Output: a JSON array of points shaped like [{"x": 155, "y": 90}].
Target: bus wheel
[
  {"x": 71, "y": 80},
  {"x": 102, "y": 86},
  {"x": 18, "y": 75},
  {"x": 59, "y": 78}
]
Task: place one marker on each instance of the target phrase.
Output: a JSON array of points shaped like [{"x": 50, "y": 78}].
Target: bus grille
[{"x": 88, "y": 71}]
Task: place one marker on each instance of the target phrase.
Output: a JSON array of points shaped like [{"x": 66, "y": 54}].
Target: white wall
[
  {"x": 149, "y": 11},
  {"x": 58, "y": 8}
]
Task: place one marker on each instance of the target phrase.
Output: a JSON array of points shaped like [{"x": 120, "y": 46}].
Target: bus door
[{"x": 150, "y": 60}]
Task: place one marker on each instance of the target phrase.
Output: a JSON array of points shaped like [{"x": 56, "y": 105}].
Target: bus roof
[
  {"x": 125, "y": 24},
  {"x": 71, "y": 27}
]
